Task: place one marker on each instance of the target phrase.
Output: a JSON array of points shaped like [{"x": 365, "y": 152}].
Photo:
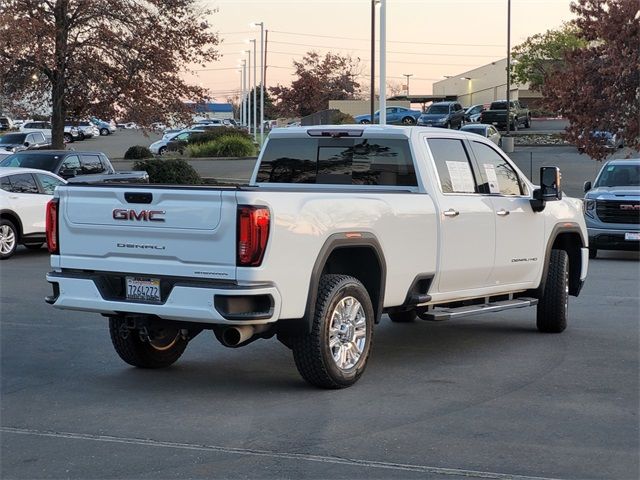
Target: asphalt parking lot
[{"x": 487, "y": 397}]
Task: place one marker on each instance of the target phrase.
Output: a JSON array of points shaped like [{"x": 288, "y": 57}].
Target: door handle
[
  {"x": 502, "y": 213},
  {"x": 451, "y": 213},
  {"x": 13, "y": 197}
]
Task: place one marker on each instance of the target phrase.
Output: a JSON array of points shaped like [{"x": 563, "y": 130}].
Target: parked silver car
[{"x": 488, "y": 131}]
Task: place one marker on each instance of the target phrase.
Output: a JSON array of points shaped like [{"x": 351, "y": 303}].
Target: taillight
[
  {"x": 52, "y": 225},
  {"x": 253, "y": 232}
]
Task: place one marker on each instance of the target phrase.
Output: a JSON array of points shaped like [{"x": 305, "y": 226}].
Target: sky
[{"x": 429, "y": 39}]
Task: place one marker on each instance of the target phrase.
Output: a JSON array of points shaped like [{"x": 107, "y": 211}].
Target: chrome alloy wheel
[
  {"x": 347, "y": 333},
  {"x": 7, "y": 239}
]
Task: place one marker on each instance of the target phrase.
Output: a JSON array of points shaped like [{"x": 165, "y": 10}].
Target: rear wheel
[
  {"x": 408, "y": 121},
  {"x": 68, "y": 138},
  {"x": 527, "y": 123},
  {"x": 407, "y": 316},
  {"x": 554, "y": 303},
  {"x": 161, "y": 348},
  {"x": 8, "y": 239},
  {"x": 365, "y": 122},
  {"x": 334, "y": 354}
]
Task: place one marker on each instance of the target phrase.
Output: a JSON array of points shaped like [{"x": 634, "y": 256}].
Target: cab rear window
[{"x": 346, "y": 161}]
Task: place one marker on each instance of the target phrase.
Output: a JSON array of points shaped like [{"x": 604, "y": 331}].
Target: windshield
[
  {"x": 439, "y": 109},
  {"x": 619, "y": 176},
  {"x": 39, "y": 161},
  {"x": 12, "y": 139}
]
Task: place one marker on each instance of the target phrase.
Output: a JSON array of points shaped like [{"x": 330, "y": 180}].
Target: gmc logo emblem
[
  {"x": 630, "y": 207},
  {"x": 141, "y": 216}
]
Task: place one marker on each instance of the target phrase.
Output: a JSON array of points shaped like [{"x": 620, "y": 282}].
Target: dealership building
[{"x": 484, "y": 85}]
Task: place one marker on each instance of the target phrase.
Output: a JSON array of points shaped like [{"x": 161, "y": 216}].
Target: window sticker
[
  {"x": 492, "y": 178},
  {"x": 461, "y": 177}
]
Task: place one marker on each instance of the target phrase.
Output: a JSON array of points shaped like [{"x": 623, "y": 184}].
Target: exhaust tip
[{"x": 231, "y": 336}]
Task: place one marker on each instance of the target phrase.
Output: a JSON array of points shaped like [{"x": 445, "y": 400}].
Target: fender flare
[
  {"x": 334, "y": 242},
  {"x": 574, "y": 278},
  {"x": 6, "y": 211}
]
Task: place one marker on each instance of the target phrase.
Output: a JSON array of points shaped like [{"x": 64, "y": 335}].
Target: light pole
[
  {"x": 240, "y": 99},
  {"x": 373, "y": 59},
  {"x": 255, "y": 87},
  {"x": 244, "y": 92},
  {"x": 383, "y": 62},
  {"x": 248, "y": 52},
  {"x": 408, "y": 75},
  {"x": 262, "y": 66},
  {"x": 508, "y": 65}
]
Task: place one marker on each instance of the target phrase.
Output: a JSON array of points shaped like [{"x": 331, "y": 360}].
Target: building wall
[
  {"x": 485, "y": 85},
  {"x": 362, "y": 107}
]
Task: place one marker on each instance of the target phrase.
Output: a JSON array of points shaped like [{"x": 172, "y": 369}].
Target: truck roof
[{"x": 386, "y": 130}]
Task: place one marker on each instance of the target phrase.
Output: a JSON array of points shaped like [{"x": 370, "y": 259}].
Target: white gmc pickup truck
[{"x": 338, "y": 226}]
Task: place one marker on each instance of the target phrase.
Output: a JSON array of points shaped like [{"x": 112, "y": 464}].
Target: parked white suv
[{"x": 24, "y": 193}]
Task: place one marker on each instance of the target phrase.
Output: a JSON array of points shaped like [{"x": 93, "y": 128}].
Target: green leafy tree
[
  {"x": 543, "y": 54},
  {"x": 319, "y": 79},
  {"x": 104, "y": 58}
]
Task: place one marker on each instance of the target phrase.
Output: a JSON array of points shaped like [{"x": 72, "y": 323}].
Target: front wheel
[
  {"x": 68, "y": 138},
  {"x": 527, "y": 123},
  {"x": 334, "y": 354},
  {"x": 104, "y": 131},
  {"x": 161, "y": 348},
  {"x": 365, "y": 122},
  {"x": 554, "y": 304},
  {"x": 162, "y": 151}
]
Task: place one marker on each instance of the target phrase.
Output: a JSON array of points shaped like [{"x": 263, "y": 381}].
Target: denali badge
[
  {"x": 142, "y": 215},
  {"x": 141, "y": 246},
  {"x": 630, "y": 207}
]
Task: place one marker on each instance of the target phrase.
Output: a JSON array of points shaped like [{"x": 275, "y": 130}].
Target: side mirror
[
  {"x": 26, "y": 144},
  {"x": 549, "y": 190},
  {"x": 587, "y": 186}
]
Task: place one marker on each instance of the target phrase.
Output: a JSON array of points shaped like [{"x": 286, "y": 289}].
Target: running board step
[{"x": 438, "y": 314}]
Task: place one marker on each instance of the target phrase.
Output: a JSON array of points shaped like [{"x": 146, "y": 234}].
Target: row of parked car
[
  {"x": 174, "y": 138},
  {"x": 27, "y": 182}
]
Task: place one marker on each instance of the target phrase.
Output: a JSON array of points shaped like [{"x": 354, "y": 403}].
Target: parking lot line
[{"x": 272, "y": 454}]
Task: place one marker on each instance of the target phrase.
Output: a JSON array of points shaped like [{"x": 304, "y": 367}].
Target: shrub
[
  {"x": 216, "y": 133},
  {"x": 171, "y": 171},
  {"x": 224, "y": 146},
  {"x": 137, "y": 152},
  {"x": 339, "y": 118}
]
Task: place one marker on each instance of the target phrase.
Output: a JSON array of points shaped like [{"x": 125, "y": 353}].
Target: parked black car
[
  {"x": 443, "y": 114},
  {"x": 83, "y": 166},
  {"x": 16, "y": 142}
]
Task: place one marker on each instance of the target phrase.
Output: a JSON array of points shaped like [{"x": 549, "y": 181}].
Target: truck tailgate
[{"x": 167, "y": 231}]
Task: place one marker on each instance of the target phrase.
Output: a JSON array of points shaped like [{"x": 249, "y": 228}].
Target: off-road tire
[
  {"x": 553, "y": 305},
  {"x": 142, "y": 354},
  {"x": 407, "y": 316},
  {"x": 311, "y": 351},
  {"x": 11, "y": 233}
]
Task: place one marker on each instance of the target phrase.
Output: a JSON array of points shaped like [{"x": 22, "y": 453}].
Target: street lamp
[
  {"x": 243, "y": 118},
  {"x": 383, "y": 62},
  {"x": 248, "y": 90},
  {"x": 408, "y": 75},
  {"x": 255, "y": 87},
  {"x": 262, "y": 66}
]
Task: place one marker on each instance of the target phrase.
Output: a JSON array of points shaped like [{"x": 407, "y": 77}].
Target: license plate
[
  {"x": 632, "y": 236},
  {"x": 146, "y": 289}
]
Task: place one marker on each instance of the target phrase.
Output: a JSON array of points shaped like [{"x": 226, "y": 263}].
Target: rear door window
[
  {"x": 22, "y": 183},
  {"x": 48, "y": 183},
  {"x": 72, "y": 162},
  {"x": 91, "y": 164},
  {"x": 338, "y": 161},
  {"x": 453, "y": 165}
]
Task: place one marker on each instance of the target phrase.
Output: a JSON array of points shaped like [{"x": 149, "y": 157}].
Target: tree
[
  {"x": 104, "y": 58},
  {"x": 543, "y": 54},
  {"x": 320, "y": 79},
  {"x": 599, "y": 88}
]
